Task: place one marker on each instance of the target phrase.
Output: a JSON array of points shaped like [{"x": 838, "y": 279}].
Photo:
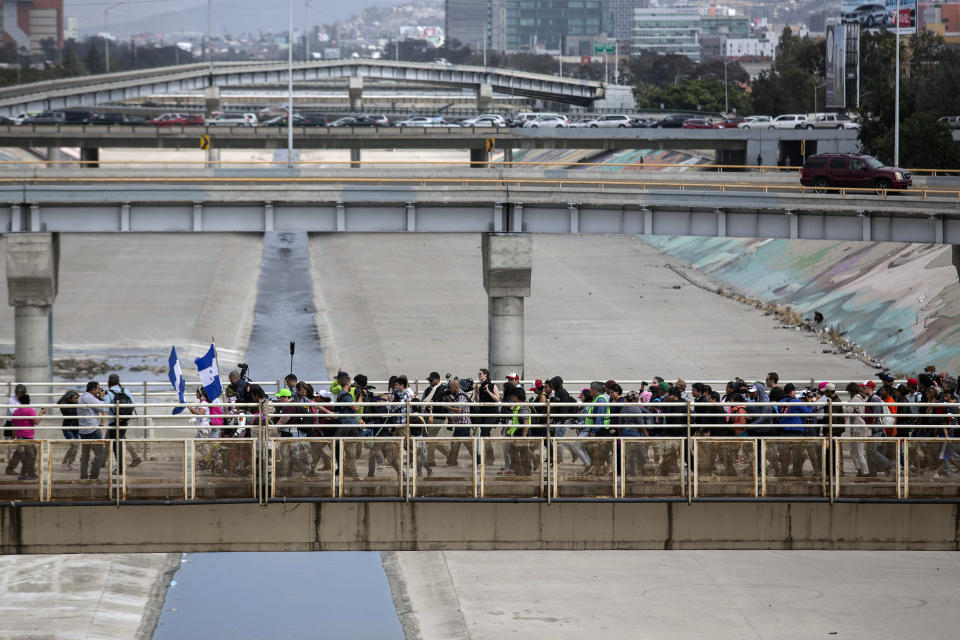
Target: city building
[
  {"x": 27, "y": 23},
  {"x": 466, "y": 21},
  {"x": 750, "y": 48},
  {"x": 621, "y": 16},
  {"x": 666, "y": 30},
  {"x": 545, "y": 25},
  {"x": 943, "y": 19},
  {"x": 71, "y": 28}
]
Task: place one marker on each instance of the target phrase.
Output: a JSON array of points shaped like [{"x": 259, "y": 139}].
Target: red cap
[
  {"x": 537, "y": 385},
  {"x": 870, "y": 383},
  {"x": 912, "y": 382}
]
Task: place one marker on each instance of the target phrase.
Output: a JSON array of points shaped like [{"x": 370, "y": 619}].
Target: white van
[{"x": 234, "y": 120}]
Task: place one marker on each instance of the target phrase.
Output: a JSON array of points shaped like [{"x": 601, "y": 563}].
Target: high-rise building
[
  {"x": 467, "y": 21},
  {"x": 545, "y": 25},
  {"x": 621, "y": 16},
  {"x": 71, "y": 28},
  {"x": 27, "y": 23},
  {"x": 673, "y": 30}
]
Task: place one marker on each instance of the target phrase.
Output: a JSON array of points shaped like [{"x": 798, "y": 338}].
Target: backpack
[{"x": 125, "y": 406}]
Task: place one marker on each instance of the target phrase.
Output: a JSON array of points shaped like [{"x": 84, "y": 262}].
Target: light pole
[
  {"x": 307, "y": 30},
  {"x": 290, "y": 85},
  {"x": 106, "y": 35},
  {"x": 726, "y": 96},
  {"x": 209, "y": 23},
  {"x": 815, "y": 87},
  {"x": 896, "y": 98}
]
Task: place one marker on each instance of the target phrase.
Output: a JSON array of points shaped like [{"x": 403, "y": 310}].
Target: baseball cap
[
  {"x": 324, "y": 394},
  {"x": 912, "y": 382},
  {"x": 284, "y": 393},
  {"x": 537, "y": 384},
  {"x": 512, "y": 376},
  {"x": 830, "y": 387},
  {"x": 821, "y": 385},
  {"x": 885, "y": 377},
  {"x": 664, "y": 386},
  {"x": 433, "y": 376},
  {"x": 869, "y": 383}
]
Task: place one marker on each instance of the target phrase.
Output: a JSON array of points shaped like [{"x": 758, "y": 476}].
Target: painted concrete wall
[
  {"x": 415, "y": 526},
  {"x": 901, "y": 302}
]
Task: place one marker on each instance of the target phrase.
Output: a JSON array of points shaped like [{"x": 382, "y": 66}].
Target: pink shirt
[
  {"x": 23, "y": 419},
  {"x": 216, "y": 411}
]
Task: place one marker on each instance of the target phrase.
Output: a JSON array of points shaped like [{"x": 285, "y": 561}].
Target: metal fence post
[
  {"x": 689, "y": 459},
  {"x": 831, "y": 449},
  {"x": 409, "y": 466}
]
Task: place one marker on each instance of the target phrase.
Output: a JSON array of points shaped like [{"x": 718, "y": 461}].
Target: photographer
[
  {"x": 486, "y": 391},
  {"x": 241, "y": 384}
]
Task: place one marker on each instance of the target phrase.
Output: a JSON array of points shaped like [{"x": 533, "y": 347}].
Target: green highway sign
[{"x": 604, "y": 47}]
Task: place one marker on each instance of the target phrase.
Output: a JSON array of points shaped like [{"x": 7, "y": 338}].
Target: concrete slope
[
  {"x": 901, "y": 302},
  {"x": 150, "y": 290},
  {"x": 601, "y": 307}
]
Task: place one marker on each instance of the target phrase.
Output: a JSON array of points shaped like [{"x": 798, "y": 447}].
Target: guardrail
[{"x": 402, "y": 451}]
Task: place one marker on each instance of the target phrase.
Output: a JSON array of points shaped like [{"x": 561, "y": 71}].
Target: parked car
[
  {"x": 642, "y": 123},
  {"x": 521, "y": 118},
  {"x": 826, "y": 170},
  {"x": 671, "y": 122},
  {"x": 116, "y": 118},
  {"x": 951, "y": 121},
  {"x": 379, "y": 121},
  {"x": 731, "y": 123},
  {"x": 6, "y": 120},
  {"x": 78, "y": 116},
  {"x": 833, "y": 121},
  {"x": 484, "y": 120},
  {"x": 177, "y": 120},
  {"x": 353, "y": 121},
  {"x": 281, "y": 121},
  {"x": 755, "y": 122},
  {"x": 231, "y": 119},
  {"x": 789, "y": 121},
  {"x": 47, "y": 117},
  {"x": 551, "y": 121},
  {"x": 699, "y": 123},
  {"x": 868, "y": 15},
  {"x": 612, "y": 122},
  {"x": 313, "y": 120},
  {"x": 20, "y": 118},
  {"x": 425, "y": 121}
]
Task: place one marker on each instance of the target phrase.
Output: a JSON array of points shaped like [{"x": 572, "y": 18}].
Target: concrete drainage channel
[{"x": 347, "y": 593}]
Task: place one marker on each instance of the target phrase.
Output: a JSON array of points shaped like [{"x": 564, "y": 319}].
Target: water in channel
[{"x": 281, "y": 595}]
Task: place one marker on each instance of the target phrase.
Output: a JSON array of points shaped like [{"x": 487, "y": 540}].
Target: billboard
[
  {"x": 836, "y": 64},
  {"x": 875, "y": 15}
]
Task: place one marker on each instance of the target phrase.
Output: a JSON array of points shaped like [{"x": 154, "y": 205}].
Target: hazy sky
[{"x": 137, "y": 16}]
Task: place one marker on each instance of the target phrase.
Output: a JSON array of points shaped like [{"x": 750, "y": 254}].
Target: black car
[
  {"x": 77, "y": 116},
  {"x": 671, "y": 122},
  {"x": 313, "y": 120},
  {"x": 281, "y": 121},
  {"x": 354, "y": 121},
  {"x": 6, "y": 120},
  {"x": 48, "y": 117},
  {"x": 116, "y": 118}
]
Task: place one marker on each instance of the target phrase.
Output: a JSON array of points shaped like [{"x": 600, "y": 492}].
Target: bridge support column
[
  {"x": 56, "y": 154},
  {"x": 90, "y": 157},
  {"x": 507, "y": 269},
  {"x": 955, "y": 252},
  {"x": 211, "y": 100},
  {"x": 355, "y": 158},
  {"x": 32, "y": 270},
  {"x": 355, "y": 88},
  {"x": 213, "y": 158},
  {"x": 479, "y": 158},
  {"x": 507, "y": 157},
  {"x": 484, "y": 96}
]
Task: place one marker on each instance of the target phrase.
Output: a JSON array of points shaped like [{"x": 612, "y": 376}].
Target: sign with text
[
  {"x": 604, "y": 47},
  {"x": 876, "y": 15},
  {"x": 836, "y": 64}
]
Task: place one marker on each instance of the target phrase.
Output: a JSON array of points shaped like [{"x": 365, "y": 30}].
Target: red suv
[
  {"x": 177, "y": 120},
  {"x": 826, "y": 170}
]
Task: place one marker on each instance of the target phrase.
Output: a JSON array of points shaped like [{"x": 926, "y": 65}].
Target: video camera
[{"x": 244, "y": 367}]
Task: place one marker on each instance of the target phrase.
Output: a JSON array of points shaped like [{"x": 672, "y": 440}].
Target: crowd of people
[{"x": 872, "y": 413}]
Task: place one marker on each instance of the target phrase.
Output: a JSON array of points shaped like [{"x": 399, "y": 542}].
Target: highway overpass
[
  {"x": 381, "y": 199},
  {"x": 733, "y": 146},
  {"x": 140, "y": 85}
]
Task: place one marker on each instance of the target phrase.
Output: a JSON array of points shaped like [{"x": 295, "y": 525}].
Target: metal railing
[{"x": 402, "y": 451}]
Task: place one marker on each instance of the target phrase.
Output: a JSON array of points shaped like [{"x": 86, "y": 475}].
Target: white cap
[{"x": 513, "y": 374}]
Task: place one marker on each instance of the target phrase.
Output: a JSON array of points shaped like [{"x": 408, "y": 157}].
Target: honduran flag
[{"x": 210, "y": 374}]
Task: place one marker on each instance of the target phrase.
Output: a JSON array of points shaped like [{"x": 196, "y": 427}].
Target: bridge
[
  {"x": 388, "y": 199},
  {"x": 675, "y": 489},
  {"x": 138, "y": 85},
  {"x": 732, "y": 146}
]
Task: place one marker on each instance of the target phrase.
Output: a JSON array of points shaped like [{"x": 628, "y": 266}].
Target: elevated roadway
[
  {"x": 139, "y": 85},
  {"x": 733, "y": 146},
  {"x": 470, "y": 200}
]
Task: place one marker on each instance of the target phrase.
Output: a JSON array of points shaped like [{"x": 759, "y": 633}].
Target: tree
[
  {"x": 72, "y": 64},
  {"x": 704, "y": 94},
  {"x": 788, "y": 86},
  {"x": 94, "y": 61}
]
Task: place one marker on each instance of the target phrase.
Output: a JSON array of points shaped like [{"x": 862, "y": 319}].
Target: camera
[{"x": 244, "y": 367}]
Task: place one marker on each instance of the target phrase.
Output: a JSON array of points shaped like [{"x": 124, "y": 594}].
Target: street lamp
[
  {"x": 209, "y": 50},
  {"x": 896, "y": 98},
  {"x": 106, "y": 34},
  {"x": 306, "y": 37},
  {"x": 290, "y": 85},
  {"x": 815, "y": 87}
]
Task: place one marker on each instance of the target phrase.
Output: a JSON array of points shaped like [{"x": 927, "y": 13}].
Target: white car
[
  {"x": 832, "y": 121},
  {"x": 484, "y": 120},
  {"x": 547, "y": 122},
  {"x": 611, "y": 122},
  {"x": 755, "y": 122},
  {"x": 789, "y": 121},
  {"x": 425, "y": 121},
  {"x": 234, "y": 120}
]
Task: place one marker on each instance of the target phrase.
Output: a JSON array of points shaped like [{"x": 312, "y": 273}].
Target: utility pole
[
  {"x": 307, "y": 30},
  {"x": 726, "y": 96},
  {"x": 896, "y": 99},
  {"x": 106, "y": 35},
  {"x": 290, "y": 85},
  {"x": 209, "y": 23},
  {"x": 486, "y": 24}
]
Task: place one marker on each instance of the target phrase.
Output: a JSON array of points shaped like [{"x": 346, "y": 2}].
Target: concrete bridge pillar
[
  {"x": 355, "y": 158},
  {"x": 484, "y": 96},
  {"x": 33, "y": 261},
  {"x": 507, "y": 157},
  {"x": 355, "y": 88},
  {"x": 507, "y": 269},
  {"x": 479, "y": 158},
  {"x": 56, "y": 155},
  {"x": 211, "y": 100},
  {"x": 90, "y": 157},
  {"x": 213, "y": 158}
]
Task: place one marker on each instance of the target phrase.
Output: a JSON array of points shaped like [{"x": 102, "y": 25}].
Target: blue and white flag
[
  {"x": 176, "y": 378},
  {"x": 210, "y": 374}
]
